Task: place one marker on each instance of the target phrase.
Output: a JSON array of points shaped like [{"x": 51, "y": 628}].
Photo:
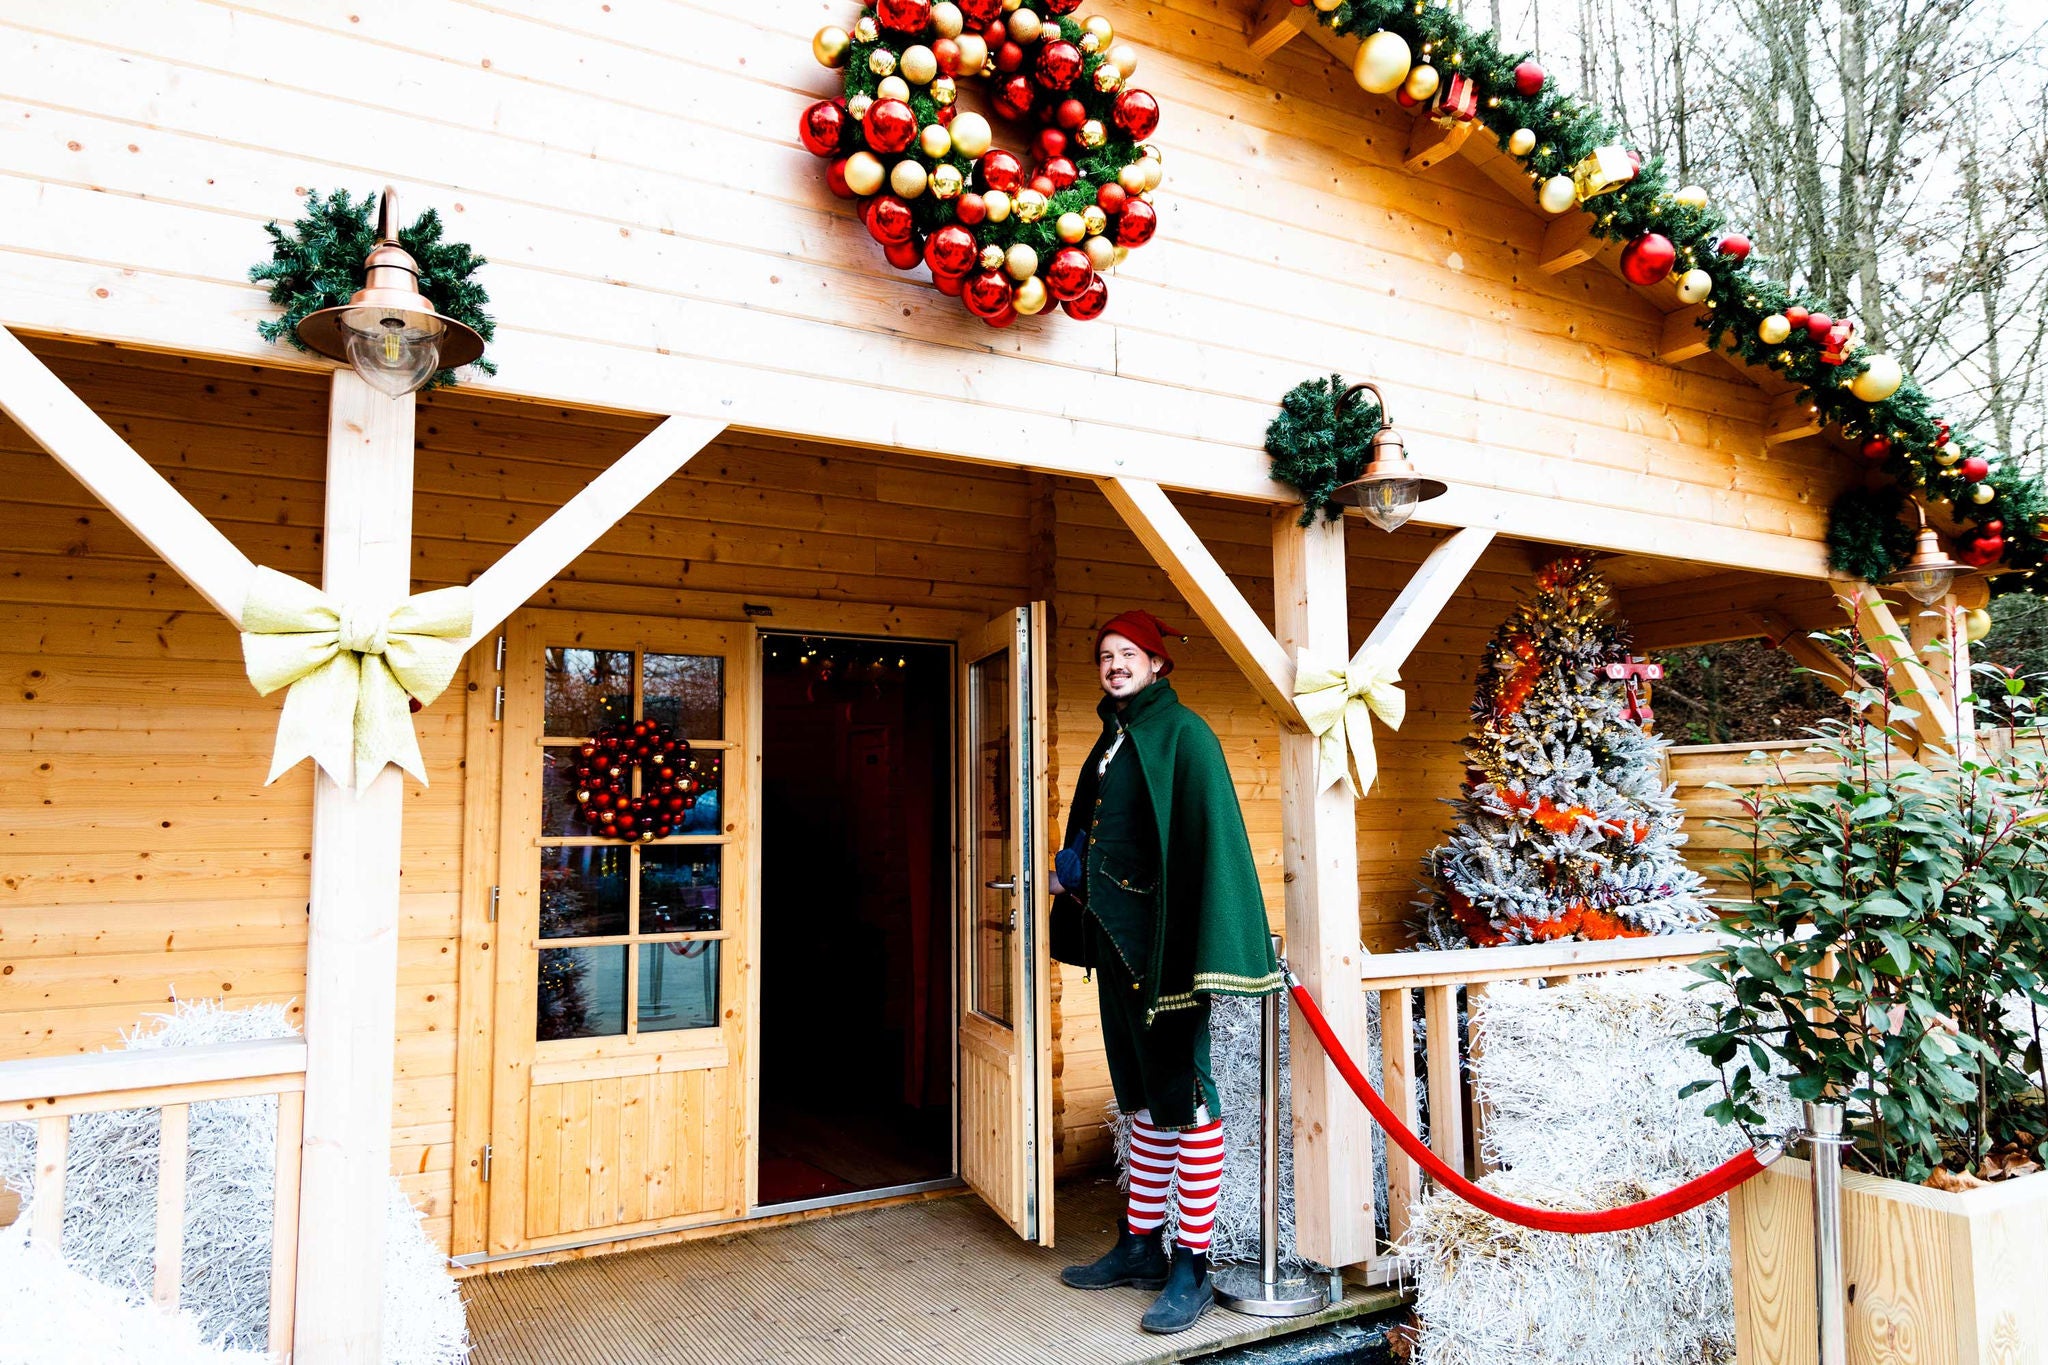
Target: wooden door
[
  {"x": 621, "y": 1050},
  {"x": 1005, "y": 974}
]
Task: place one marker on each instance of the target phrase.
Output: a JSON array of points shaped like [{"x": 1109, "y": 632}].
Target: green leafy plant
[
  {"x": 1315, "y": 446},
  {"x": 318, "y": 263},
  {"x": 1894, "y": 955}
]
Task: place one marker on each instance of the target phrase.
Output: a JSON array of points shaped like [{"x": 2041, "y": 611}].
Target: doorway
[{"x": 857, "y": 1009}]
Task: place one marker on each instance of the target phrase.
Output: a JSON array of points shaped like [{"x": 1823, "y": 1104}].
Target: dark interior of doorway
[{"x": 856, "y": 954}]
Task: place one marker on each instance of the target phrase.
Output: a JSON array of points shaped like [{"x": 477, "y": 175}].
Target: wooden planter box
[{"x": 1933, "y": 1278}]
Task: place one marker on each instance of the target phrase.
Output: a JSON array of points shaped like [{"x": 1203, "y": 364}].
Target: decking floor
[{"x": 937, "y": 1283}]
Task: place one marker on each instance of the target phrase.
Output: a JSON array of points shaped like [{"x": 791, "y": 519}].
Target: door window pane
[
  {"x": 582, "y": 993},
  {"x": 678, "y": 985},
  {"x": 995, "y": 879},
  {"x": 685, "y": 692},
  {"x": 584, "y": 890},
  {"x": 587, "y": 689},
  {"x": 679, "y": 888}
]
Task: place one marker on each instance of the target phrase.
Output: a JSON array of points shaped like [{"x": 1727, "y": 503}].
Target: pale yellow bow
[
  {"x": 1338, "y": 705},
  {"x": 352, "y": 672}
]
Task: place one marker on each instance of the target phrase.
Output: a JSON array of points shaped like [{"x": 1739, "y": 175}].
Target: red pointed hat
[{"x": 1144, "y": 630}]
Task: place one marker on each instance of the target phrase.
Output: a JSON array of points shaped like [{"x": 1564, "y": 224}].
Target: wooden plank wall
[
  {"x": 659, "y": 242},
  {"x": 1695, "y": 769}
]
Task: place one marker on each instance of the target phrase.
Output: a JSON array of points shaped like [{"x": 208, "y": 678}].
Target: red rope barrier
[{"x": 1670, "y": 1204}]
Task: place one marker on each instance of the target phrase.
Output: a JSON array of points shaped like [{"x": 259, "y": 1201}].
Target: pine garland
[
  {"x": 1316, "y": 447},
  {"x": 318, "y": 263},
  {"x": 1925, "y": 457}
]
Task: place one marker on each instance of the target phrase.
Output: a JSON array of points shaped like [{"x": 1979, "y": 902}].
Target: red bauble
[
  {"x": 1090, "y": 303},
  {"x": 1734, "y": 246},
  {"x": 1060, "y": 7},
  {"x": 890, "y": 220},
  {"x": 1060, "y": 172},
  {"x": 1003, "y": 317},
  {"x": 1818, "y": 325},
  {"x": 1051, "y": 143},
  {"x": 1000, "y": 170},
  {"x": 946, "y": 51},
  {"x": 1043, "y": 184},
  {"x": 1070, "y": 114},
  {"x": 971, "y": 208},
  {"x": 1059, "y": 64},
  {"x": 1068, "y": 273},
  {"x": 903, "y": 16},
  {"x": 980, "y": 13},
  {"x": 823, "y": 128},
  {"x": 996, "y": 34},
  {"x": 987, "y": 293},
  {"x": 903, "y": 255},
  {"x": 1137, "y": 113},
  {"x": 1993, "y": 527},
  {"x": 949, "y": 285},
  {"x": 1796, "y": 315},
  {"x": 1009, "y": 56},
  {"x": 1877, "y": 448},
  {"x": 1136, "y": 224},
  {"x": 1529, "y": 79},
  {"x": 889, "y": 126},
  {"x": 1648, "y": 259},
  {"x": 1110, "y": 196},
  {"x": 1013, "y": 97},
  {"x": 1976, "y": 468},
  {"x": 951, "y": 250},
  {"x": 835, "y": 179}
]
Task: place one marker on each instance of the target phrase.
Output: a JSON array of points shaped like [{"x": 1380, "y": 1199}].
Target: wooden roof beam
[
  {"x": 1567, "y": 242},
  {"x": 1682, "y": 338},
  {"x": 1433, "y": 143},
  {"x": 1435, "y": 581},
  {"x": 1791, "y": 417},
  {"x": 1272, "y": 27}
]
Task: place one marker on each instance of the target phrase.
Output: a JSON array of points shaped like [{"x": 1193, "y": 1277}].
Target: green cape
[{"x": 1209, "y": 932}]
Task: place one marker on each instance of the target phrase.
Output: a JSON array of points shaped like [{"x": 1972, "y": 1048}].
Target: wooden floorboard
[{"x": 938, "y": 1283}]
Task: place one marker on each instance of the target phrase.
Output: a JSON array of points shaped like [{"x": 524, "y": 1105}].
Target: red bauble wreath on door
[
  {"x": 603, "y": 779},
  {"x": 934, "y": 188}
]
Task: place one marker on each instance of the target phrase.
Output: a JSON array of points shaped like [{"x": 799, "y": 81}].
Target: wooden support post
[
  {"x": 1683, "y": 339},
  {"x": 1933, "y": 722},
  {"x": 1567, "y": 242},
  {"x": 1272, "y": 27},
  {"x": 1397, "y": 1074},
  {"x": 1333, "y": 1186},
  {"x": 1446, "y": 1086},
  {"x": 1943, "y": 648},
  {"x": 46, "y": 1207},
  {"x": 1432, "y": 143},
  {"x": 172, "y": 1147},
  {"x": 1824, "y": 664},
  {"x": 352, "y": 937},
  {"x": 1395, "y": 635}
]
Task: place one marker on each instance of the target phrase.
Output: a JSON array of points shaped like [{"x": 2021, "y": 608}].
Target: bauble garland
[
  {"x": 318, "y": 263},
  {"x": 935, "y": 190},
  {"x": 1423, "y": 52},
  {"x": 603, "y": 780}
]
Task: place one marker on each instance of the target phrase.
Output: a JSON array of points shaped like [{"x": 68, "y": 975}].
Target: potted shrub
[{"x": 1892, "y": 960}]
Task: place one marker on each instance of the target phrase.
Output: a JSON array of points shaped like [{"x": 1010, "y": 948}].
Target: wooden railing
[
  {"x": 1456, "y": 1123},
  {"x": 47, "y": 1091}
]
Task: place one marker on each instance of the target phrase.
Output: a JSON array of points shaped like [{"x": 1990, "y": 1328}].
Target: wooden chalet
[{"x": 737, "y": 474}]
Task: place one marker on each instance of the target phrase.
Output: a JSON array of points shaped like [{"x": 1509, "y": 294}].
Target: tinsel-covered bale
[
  {"x": 110, "y": 1206},
  {"x": 1581, "y": 1082}
]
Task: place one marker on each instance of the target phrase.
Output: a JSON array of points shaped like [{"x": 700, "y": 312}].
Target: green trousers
[{"x": 1164, "y": 1068}]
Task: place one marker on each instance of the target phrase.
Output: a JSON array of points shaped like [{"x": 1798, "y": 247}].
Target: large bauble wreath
[
  {"x": 603, "y": 779},
  {"x": 936, "y": 191}
]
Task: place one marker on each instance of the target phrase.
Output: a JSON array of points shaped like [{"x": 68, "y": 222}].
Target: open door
[{"x": 1005, "y": 976}]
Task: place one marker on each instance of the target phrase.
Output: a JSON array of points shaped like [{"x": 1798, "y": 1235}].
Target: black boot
[
  {"x": 1186, "y": 1297},
  {"x": 1136, "y": 1259}
]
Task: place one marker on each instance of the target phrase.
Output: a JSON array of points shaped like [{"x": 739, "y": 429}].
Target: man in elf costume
[{"x": 1159, "y": 899}]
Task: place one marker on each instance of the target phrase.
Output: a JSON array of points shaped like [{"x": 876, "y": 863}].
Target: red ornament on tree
[
  {"x": 1059, "y": 7},
  {"x": 1796, "y": 315},
  {"x": 1089, "y": 303},
  {"x": 1060, "y": 172},
  {"x": 1000, "y": 170},
  {"x": 889, "y": 126},
  {"x": 1111, "y": 197},
  {"x": 1976, "y": 469},
  {"x": 903, "y": 255},
  {"x": 1529, "y": 79},
  {"x": 1051, "y": 143},
  {"x": 1070, "y": 114},
  {"x": 890, "y": 220},
  {"x": 1818, "y": 325},
  {"x": 823, "y": 128},
  {"x": 951, "y": 250},
  {"x": 1136, "y": 224},
  {"x": 835, "y": 179},
  {"x": 987, "y": 293},
  {"x": 1068, "y": 273},
  {"x": 1013, "y": 97},
  {"x": 980, "y": 12},
  {"x": 1009, "y": 56},
  {"x": 1059, "y": 64},
  {"x": 1734, "y": 246},
  {"x": 1648, "y": 259},
  {"x": 1877, "y": 448},
  {"x": 903, "y": 16},
  {"x": 1137, "y": 113}
]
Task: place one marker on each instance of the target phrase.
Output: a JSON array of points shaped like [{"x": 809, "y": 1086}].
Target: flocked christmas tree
[{"x": 1565, "y": 826}]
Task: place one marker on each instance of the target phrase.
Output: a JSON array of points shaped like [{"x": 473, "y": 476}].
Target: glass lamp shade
[
  {"x": 1926, "y": 585},
  {"x": 1388, "y": 503},
  {"x": 394, "y": 352}
]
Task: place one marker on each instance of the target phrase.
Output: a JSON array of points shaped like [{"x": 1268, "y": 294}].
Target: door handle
[{"x": 1006, "y": 884}]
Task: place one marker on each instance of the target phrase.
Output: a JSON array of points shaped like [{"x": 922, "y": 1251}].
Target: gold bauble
[
  {"x": 1089, "y": 42},
  {"x": 1879, "y": 381},
  {"x": 935, "y": 140},
  {"x": 1976, "y": 624},
  {"x": 1692, "y": 196},
  {"x": 1030, "y": 205},
  {"x": 892, "y": 88},
  {"x": 1024, "y": 26},
  {"x": 830, "y": 44},
  {"x": 1774, "y": 329},
  {"x": 1098, "y": 27},
  {"x": 1122, "y": 254},
  {"x": 1521, "y": 142},
  {"x": 1982, "y": 493},
  {"x": 882, "y": 62},
  {"x": 1092, "y": 133},
  {"x": 1012, "y": 6},
  {"x": 919, "y": 65},
  {"x": 971, "y": 135},
  {"x": 908, "y": 178},
  {"x": 1021, "y": 260},
  {"x": 1383, "y": 62},
  {"x": 1947, "y": 456},
  {"x": 1125, "y": 57},
  {"x": 1069, "y": 228},
  {"x": 973, "y": 51},
  {"x": 1327, "y": 5},
  {"x": 864, "y": 173},
  {"x": 947, "y": 20},
  {"x": 1030, "y": 297},
  {"x": 1154, "y": 172},
  {"x": 1694, "y": 286},
  {"x": 995, "y": 201},
  {"x": 1094, "y": 221},
  {"x": 1558, "y": 194},
  {"x": 1132, "y": 178},
  {"x": 991, "y": 257},
  {"x": 1422, "y": 83},
  {"x": 857, "y": 107},
  {"x": 865, "y": 29},
  {"x": 1101, "y": 253},
  {"x": 944, "y": 91},
  {"x": 947, "y": 182},
  {"x": 1107, "y": 78}
]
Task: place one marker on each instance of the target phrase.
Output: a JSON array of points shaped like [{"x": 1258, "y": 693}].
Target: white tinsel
[
  {"x": 1582, "y": 1081},
  {"x": 110, "y": 1206}
]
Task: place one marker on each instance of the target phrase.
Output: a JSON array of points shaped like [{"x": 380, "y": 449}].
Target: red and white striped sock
[
  {"x": 1198, "y": 1172},
  {"x": 1152, "y": 1154}
]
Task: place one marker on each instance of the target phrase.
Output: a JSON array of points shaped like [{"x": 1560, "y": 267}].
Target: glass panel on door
[{"x": 994, "y": 869}]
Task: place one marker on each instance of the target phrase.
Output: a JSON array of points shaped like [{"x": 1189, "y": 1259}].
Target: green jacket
[{"x": 1209, "y": 934}]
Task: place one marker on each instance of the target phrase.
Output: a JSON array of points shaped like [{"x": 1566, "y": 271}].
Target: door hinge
[
  {"x": 498, "y": 704},
  {"x": 494, "y": 905},
  {"x": 487, "y": 1163},
  {"x": 500, "y": 664}
]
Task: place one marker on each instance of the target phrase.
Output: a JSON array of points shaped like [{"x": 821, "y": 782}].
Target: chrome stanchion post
[
  {"x": 1824, "y": 1143},
  {"x": 1270, "y": 1296}
]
